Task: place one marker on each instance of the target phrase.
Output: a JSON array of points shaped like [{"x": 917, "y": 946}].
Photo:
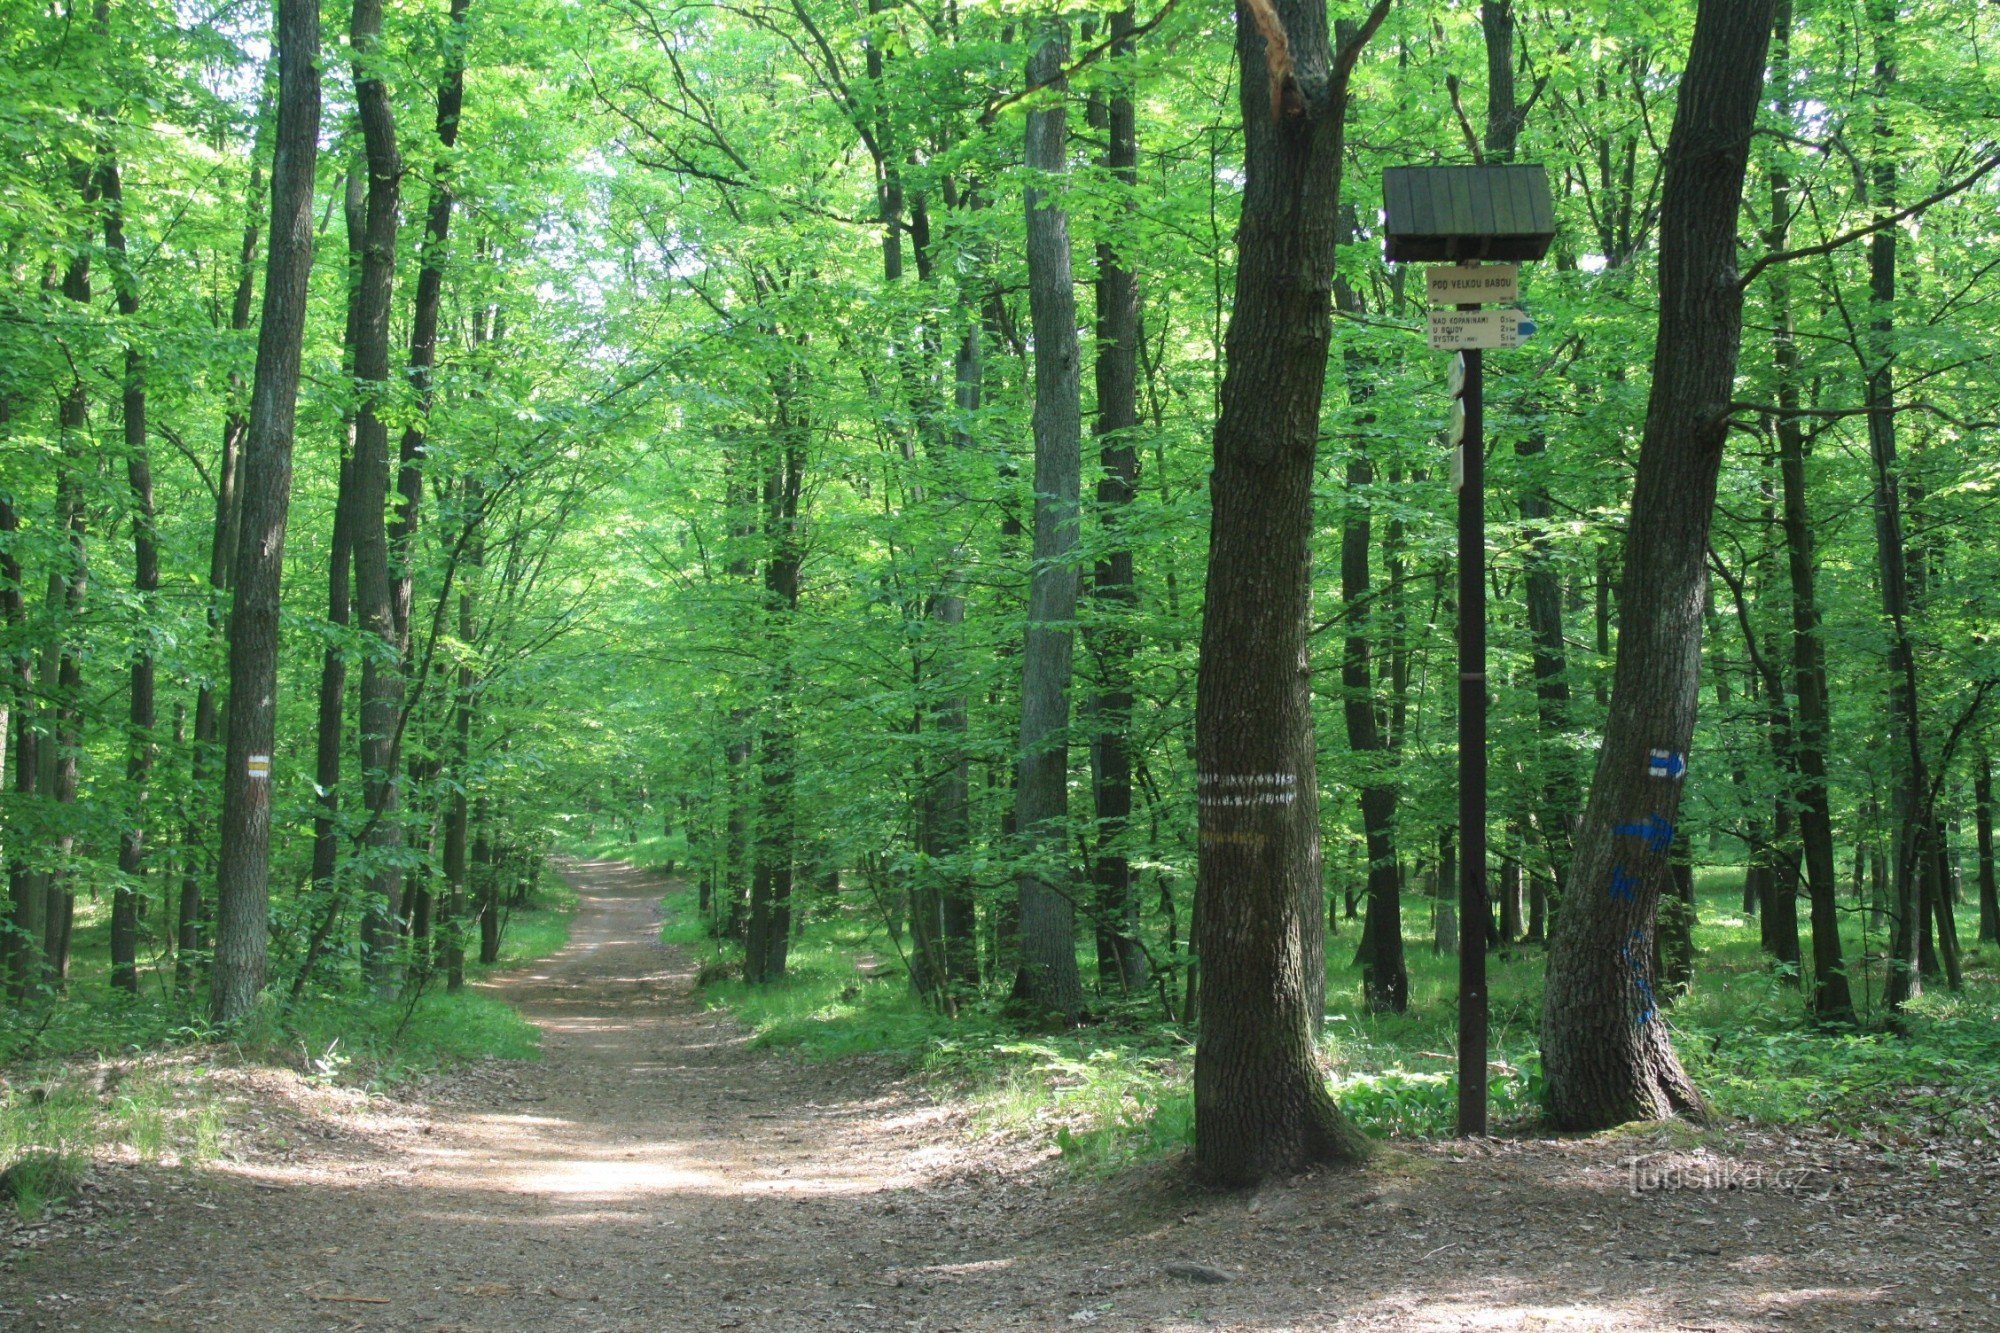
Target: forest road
[{"x": 653, "y": 1171}]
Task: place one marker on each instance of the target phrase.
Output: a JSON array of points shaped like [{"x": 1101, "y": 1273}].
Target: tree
[
  {"x": 1261, "y": 1105},
  {"x": 1048, "y": 979},
  {"x": 243, "y": 870},
  {"x": 1605, "y": 1050},
  {"x": 376, "y": 585},
  {"x": 1120, "y": 956}
]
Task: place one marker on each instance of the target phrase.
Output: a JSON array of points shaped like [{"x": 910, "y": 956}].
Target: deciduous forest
[{"x": 797, "y": 663}]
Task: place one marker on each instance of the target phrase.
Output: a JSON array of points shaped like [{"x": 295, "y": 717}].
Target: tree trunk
[
  {"x": 1542, "y": 585},
  {"x": 1385, "y": 981},
  {"x": 224, "y": 541},
  {"x": 69, "y": 584},
  {"x": 1048, "y": 979},
  {"x": 145, "y": 584},
  {"x": 767, "y": 944},
  {"x": 24, "y": 889},
  {"x": 1832, "y": 1001},
  {"x": 1982, "y": 803},
  {"x": 1913, "y": 859},
  {"x": 1121, "y": 963},
  {"x": 339, "y": 614},
  {"x": 485, "y": 881},
  {"x": 375, "y": 583},
  {"x": 243, "y": 871},
  {"x": 1607, "y": 1056},
  {"x": 1261, "y": 1103}
]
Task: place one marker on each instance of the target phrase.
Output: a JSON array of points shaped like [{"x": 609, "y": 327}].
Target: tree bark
[
  {"x": 1607, "y": 1055},
  {"x": 224, "y": 541},
  {"x": 1385, "y": 981},
  {"x": 1048, "y": 979},
  {"x": 375, "y": 583},
  {"x": 141, "y": 716},
  {"x": 1832, "y": 1000},
  {"x": 1261, "y": 1103},
  {"x": 24, "y": 889},
  {"x": 1982, "y": 815},
  {"x": 1910, "y": 930},
  {"x": 339, "y": 615},
  {"x": 1542, "y": 583},
  {"x": 243, "y": 871},
  {"x": 1121, "y": 962},
  {"x": 767, "y": 942},
  {"x": 69, "y": 584}
]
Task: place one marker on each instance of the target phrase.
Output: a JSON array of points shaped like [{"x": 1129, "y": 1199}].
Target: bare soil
[{"x": 653, "y": 1171}]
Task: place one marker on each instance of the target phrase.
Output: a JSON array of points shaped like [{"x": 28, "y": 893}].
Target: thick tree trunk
[
  {"x": 1121, "y": 963},
  {"x": 375, "y": 583},
  {"x": 243, "y": 871},
  {"x": 1606, "y": 1053},
  {"x": 140, "y": 747},
  {"x": 1048, "y": 979},
  {"x": 1261, "y": 1103}
]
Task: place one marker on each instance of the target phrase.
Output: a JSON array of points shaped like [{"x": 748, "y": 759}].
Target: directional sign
[
  {"x": 1455, "y": 385},
  {"x": 1458, "y": 421},
  {"x": 1465, "y": 284},
  {"x": 1458, "y": 469},
  {"x": 1454, "y": 330}
]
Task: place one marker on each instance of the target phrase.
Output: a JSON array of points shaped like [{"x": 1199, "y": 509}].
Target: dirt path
[{"x": 652, "y": 1172}]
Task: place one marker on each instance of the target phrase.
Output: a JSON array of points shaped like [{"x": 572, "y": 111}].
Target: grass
[
  {"x": 51, "y": 1128},
  {"x": 1119, "y": 1091},
  {"x": 73, "y": 1088},
  {"x": 651, "y": 850}
]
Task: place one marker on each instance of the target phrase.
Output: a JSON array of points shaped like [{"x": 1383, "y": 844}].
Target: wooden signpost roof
[{"x": 1435, "y": 214}]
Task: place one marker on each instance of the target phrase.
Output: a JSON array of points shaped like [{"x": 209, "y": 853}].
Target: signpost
[
  {"x": 1462, "y": 284},
  {"x": 1454, "y": 217},
  {"x": 1455, "y": 330}
]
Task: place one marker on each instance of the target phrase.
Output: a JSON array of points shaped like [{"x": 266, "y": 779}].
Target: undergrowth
[{"x": 1119, "y": 1090}]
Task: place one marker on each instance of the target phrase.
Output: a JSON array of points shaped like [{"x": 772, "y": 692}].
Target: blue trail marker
[
  {"x": 1623, "y": 885},
  {"x": 1669, "y": 764},
  {"x": 1654, "y": 831}
]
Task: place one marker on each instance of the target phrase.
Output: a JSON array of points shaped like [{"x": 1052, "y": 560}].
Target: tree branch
[{"x": 1828, "y": 247}]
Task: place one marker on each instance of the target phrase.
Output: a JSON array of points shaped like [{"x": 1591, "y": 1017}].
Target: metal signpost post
[
  {"x": 1465, "y": 214},
  {"x": 1474, "y": 920}
]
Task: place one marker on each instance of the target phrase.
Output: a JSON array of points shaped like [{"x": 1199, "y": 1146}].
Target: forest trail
[{"x": 654, "y": 1172}]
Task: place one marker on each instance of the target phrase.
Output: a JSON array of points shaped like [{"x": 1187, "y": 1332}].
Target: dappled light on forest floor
[{"x": 655, "y": 1168}]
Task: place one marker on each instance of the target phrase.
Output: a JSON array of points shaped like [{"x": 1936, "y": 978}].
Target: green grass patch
[
  {"x": 55, "y": 1120},
  {"x": 649, "y": 850}
]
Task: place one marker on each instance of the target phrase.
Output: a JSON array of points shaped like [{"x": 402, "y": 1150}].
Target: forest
[{"x": 925, "y": 536}]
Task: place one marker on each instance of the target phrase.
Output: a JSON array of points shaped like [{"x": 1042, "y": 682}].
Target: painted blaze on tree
[
  {"x": 1607, "y": 1056},
  {"x": 1261, "y": 1103}
]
